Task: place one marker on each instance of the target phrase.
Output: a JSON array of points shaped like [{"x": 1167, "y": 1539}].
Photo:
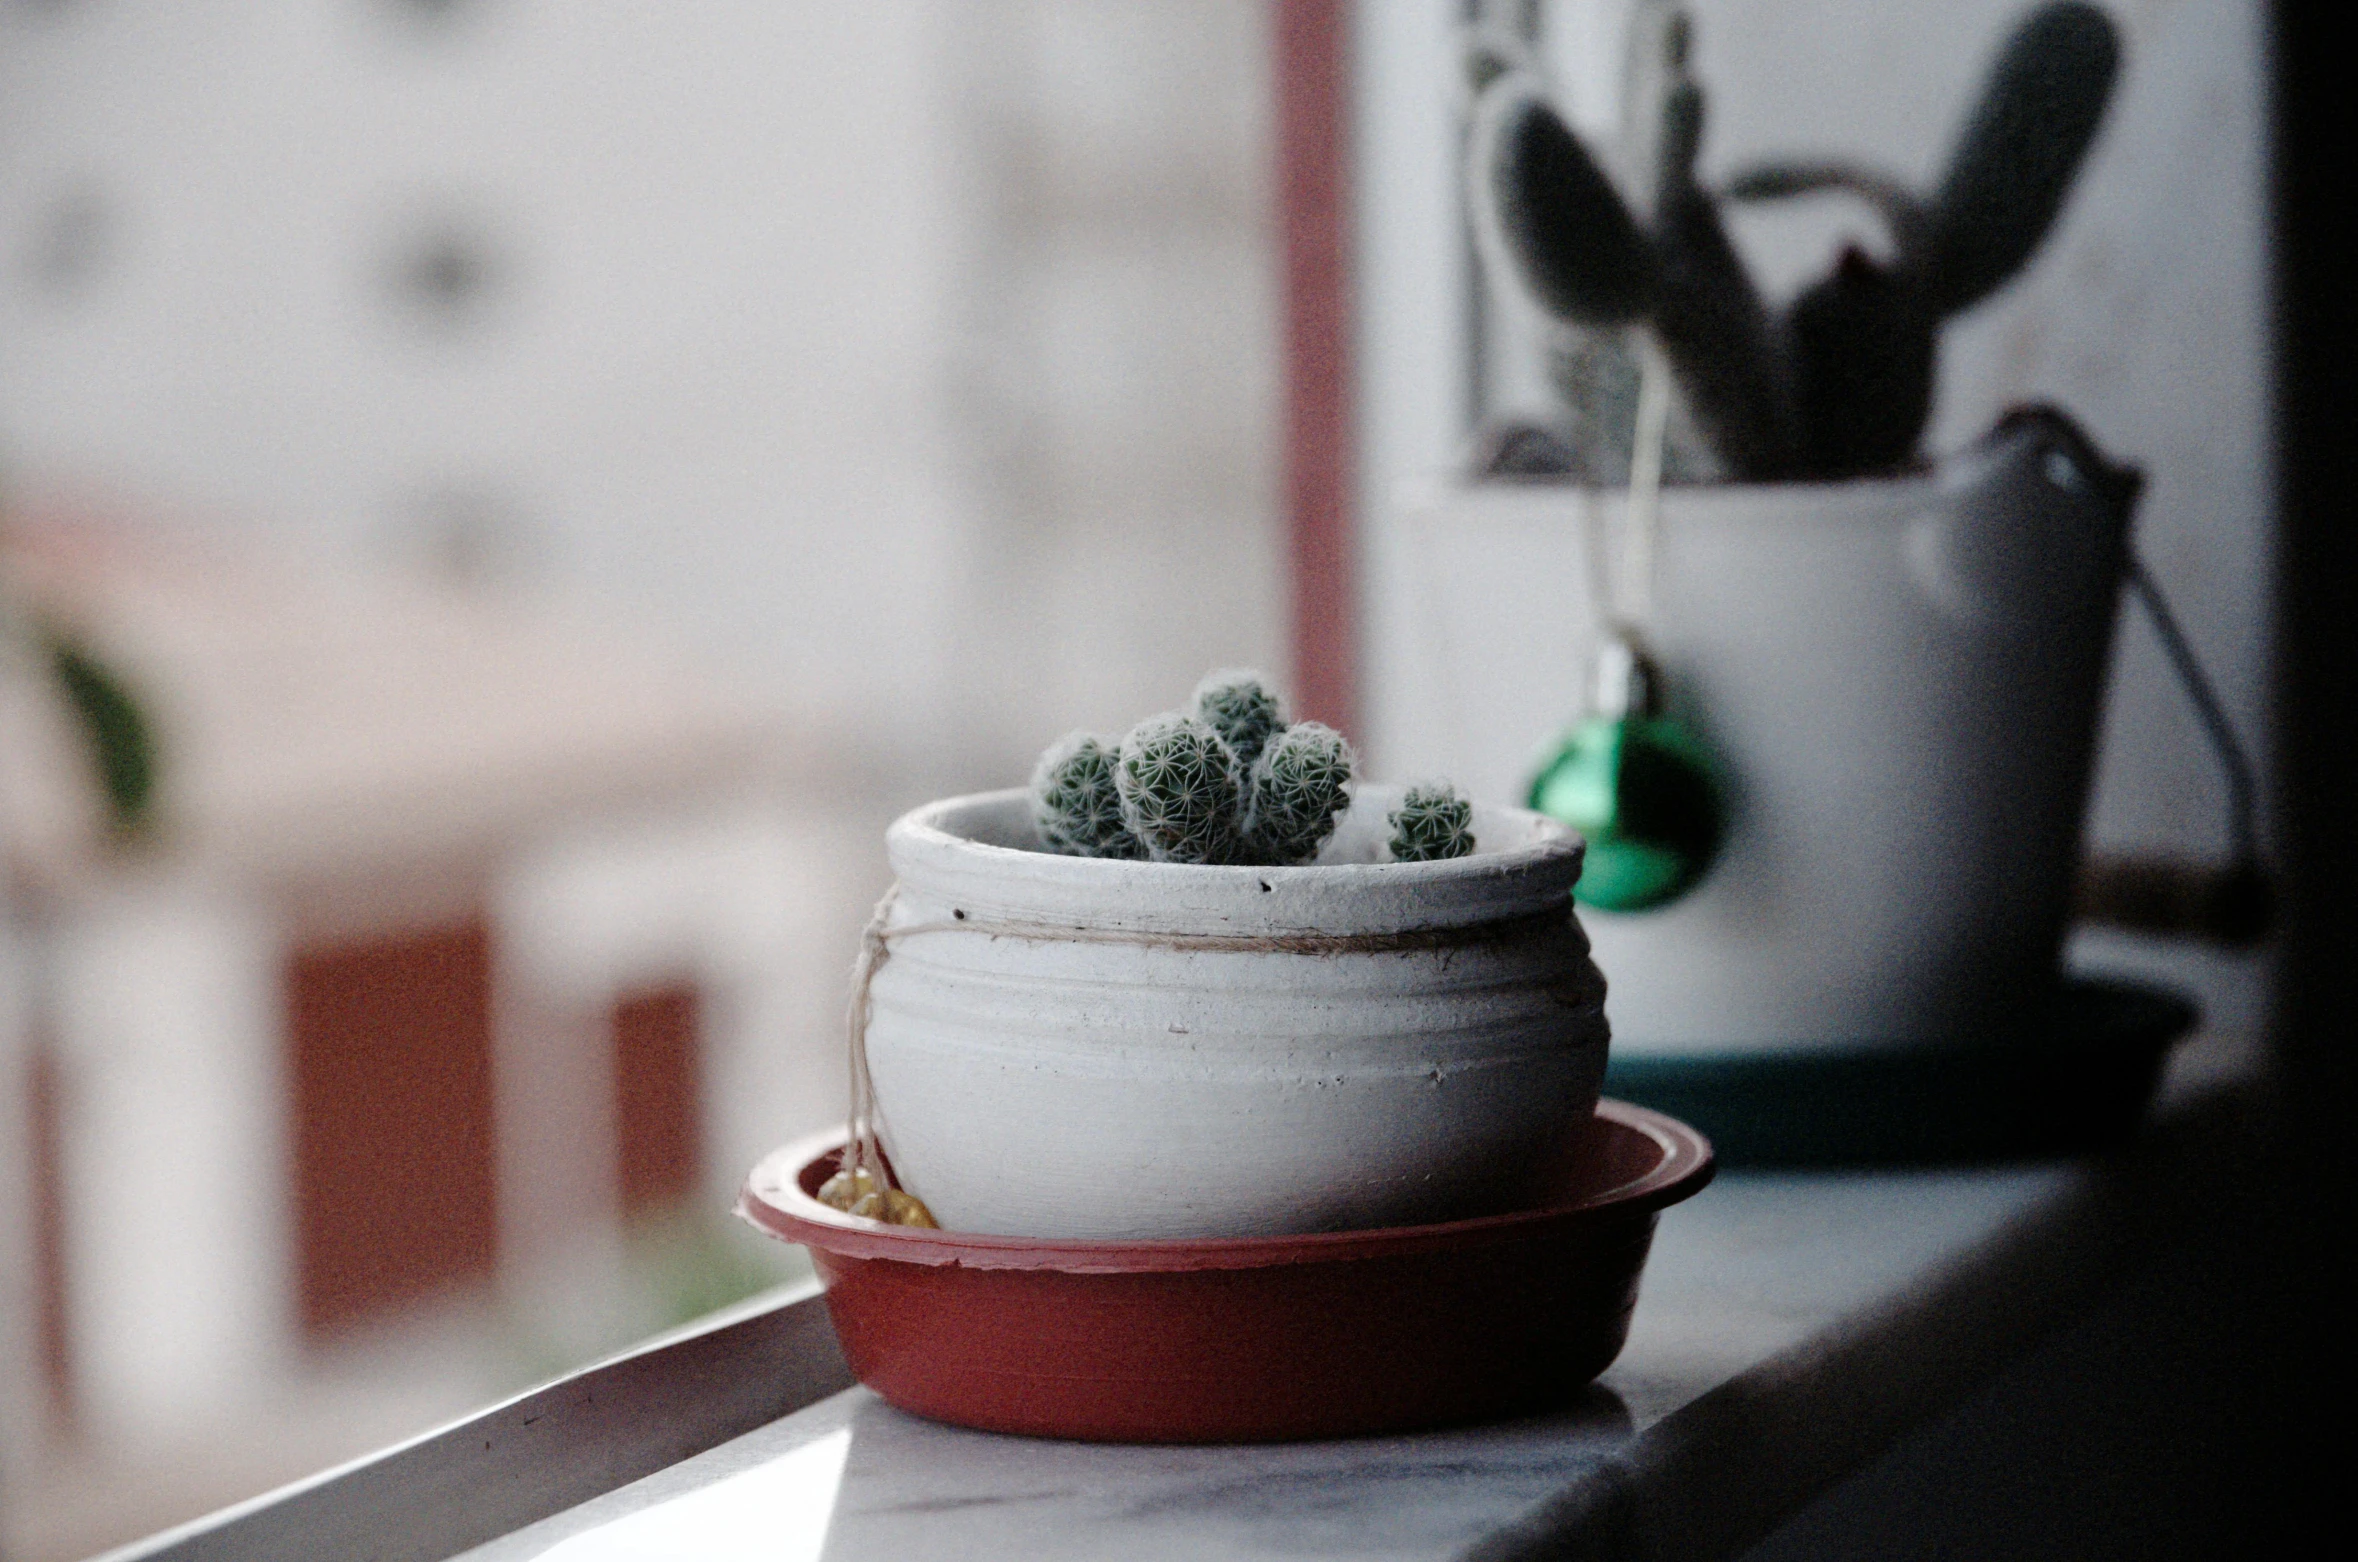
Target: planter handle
[
  {"x": 2025, "y": 526},
  {"x": 2232, "y": 906},
  {"x": 2028, "y": 521}
]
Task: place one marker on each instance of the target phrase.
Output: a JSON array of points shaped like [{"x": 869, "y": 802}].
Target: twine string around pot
[
  {"x": 863, "y": 1151},
  {"x": 862, "y": 1156},
  {"x": 1625, "y": 600}
]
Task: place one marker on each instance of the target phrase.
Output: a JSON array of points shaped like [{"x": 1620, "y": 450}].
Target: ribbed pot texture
[{"x": 1098, "y": 1049}]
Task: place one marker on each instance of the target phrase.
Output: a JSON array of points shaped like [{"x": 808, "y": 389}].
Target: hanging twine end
[{"x": 863, "y": 1186}]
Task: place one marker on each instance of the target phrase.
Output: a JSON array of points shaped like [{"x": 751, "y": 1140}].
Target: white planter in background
[
  {"x": 1056, "y": 1086},
  {"x": 1902, "y": 677}
]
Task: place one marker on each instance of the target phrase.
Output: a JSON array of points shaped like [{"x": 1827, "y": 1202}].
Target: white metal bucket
[{"x": 1902, "y": 677}]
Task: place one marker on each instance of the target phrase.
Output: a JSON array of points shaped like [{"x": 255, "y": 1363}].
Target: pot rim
[
  {"x": 947, "y": 866},
  {"x": 1925, "y": 475},
  {"x": 775, "y": 1202}
]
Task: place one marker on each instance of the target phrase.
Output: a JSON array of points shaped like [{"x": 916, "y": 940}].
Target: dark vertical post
[
  {"x": 1313, "y": 145},
  {"x": 2317, "y": 495},
  {"x": 2316, "y": 1012}
]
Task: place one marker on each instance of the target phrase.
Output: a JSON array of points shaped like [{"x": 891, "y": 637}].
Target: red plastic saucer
[{"x": 1251, "y": 1339}]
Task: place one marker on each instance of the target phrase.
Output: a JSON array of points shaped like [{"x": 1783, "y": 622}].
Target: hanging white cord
[
  {"x": 1645, "y": 485},
  {"x": 1625, "y": 601}
]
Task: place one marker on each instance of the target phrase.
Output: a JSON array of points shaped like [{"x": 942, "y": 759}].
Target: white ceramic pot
[
  {"x": 1902, "y": 678},
  {"x": 1149, "y": 1050}
]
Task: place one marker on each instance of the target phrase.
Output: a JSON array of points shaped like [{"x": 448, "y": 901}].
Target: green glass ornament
[{"x": 1642, "y": 789}]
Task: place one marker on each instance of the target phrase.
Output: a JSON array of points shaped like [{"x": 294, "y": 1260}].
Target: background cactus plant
[
  {"x": 1839, "y": 383},
  {"x": 1431, "y": 824}
]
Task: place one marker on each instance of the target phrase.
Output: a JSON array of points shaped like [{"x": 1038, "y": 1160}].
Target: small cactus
[
  {"x": 1242, "y": 710},
  {"x": 1299, "y": 789},
  {"x": 1431, "y": 824},
  {"x": 1075, "y": 804},
  {"x": 1181, "y": 790},
  {"x": 1841, "y": 383}
]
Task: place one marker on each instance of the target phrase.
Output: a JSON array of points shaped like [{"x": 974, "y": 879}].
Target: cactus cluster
[
  {"x": 1840, "y": 382},
  {"x": 1228, "y": 781}
]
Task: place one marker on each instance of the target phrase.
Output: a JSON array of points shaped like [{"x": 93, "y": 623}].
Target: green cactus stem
[
  {"x": 1076, "y": 806},
  {"x": 1555, "y": 214},
  {"x": 1715, "y": 332},
  {"x": 1431, "y": 824},
  {"x": 2017, "y": 155},
  {"x": 1864, "y": 339},
  {"x": 1864, "y": 343},
  {"x": 1239, "y": 706},
  {"x": 1181, "y": 790},
  {"x": 1584, "y": 258},
  {"x": 1300, "y": 788}
]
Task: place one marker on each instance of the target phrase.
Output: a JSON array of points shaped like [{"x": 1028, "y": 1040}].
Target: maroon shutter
[
  {"x": 390, "y": 1052},
  {"x": 658, "y": 1111}
]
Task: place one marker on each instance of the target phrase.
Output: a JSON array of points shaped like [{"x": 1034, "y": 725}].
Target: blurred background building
[
  {"x": 563, "y": 477},
  {"x": 566, "y": 474}
]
